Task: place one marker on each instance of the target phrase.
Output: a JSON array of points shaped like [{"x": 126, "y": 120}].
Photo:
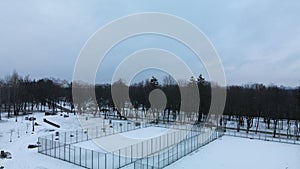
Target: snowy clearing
[
  {"x": 225, "y": 153},
  {"x": 24, "y": 158},
  {"x": 241, "y": 153}
]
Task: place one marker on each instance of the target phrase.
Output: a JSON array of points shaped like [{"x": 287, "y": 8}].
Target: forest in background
[{"x": 20, "y": 95}]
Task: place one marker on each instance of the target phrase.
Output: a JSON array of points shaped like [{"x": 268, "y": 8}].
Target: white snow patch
[{"x": 240, "y": 153}]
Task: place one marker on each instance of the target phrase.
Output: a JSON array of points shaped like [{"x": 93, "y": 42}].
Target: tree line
[
  {"x": 20, "y": 95},
  {"x": 271, "y": 103}
]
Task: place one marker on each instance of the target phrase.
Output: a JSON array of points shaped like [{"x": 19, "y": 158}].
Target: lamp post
[
  {"x": 32, "y": 119},
  {"x": 33, "y": 125}
]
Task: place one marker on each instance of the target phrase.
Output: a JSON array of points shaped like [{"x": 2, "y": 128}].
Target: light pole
[{"x": 33, "y": 118}]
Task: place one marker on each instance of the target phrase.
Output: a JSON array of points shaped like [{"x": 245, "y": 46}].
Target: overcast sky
[{"x": 257, "y": 41}]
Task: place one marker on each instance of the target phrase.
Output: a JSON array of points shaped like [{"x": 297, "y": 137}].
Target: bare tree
[
  {"x": 118, "y": 90},
  {"x": 14, "y": 82},
  {"x": 169, "y": 80}
]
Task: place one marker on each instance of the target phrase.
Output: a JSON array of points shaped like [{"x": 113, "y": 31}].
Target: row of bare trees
[
  {"x": 250, "y": 104},
  {"x": 21, "y": 95},
  {"x": 245, "y": 104}
]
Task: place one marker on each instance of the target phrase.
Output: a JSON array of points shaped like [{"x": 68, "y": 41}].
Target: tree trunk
[
  {"x": 168, "y": 115},
  {"x": 268, "y": 123},
  {"x": 275, "y": 128},
  {"x": 297, "y": 130},
  {"x": 238, "y": 124},
  {"x": 249, "y": 124},
  {"x": 199, "y": 116},
  {"x": 8, "y": 112},
  {"x": 288, "y": 128},
  {"x": 225, "y": 124},
  {"x": 257, "y": 124},
  {"x": 32, "y": 105}
]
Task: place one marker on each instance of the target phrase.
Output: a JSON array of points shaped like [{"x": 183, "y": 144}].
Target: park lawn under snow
[
  {"x": 24, "y": 158},
  {"x": 225, "y": 153},
  {"x": 241, "y": 153}
]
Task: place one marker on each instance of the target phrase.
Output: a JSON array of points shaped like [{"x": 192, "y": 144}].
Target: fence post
[
  {"x": 168, "y": 156},
  {"x": 59, "y": 150},
  {"x": 46, "y": 148},
  {"x": 147, "y": 162},
  {"x": 153, "y": 161},
  {"x": 113, "y": 159},
  {"x": 184, "y": 146},
  {"x": 167, "y": 140},
  {"x": 55, "y": 149},
  {"x": 119, "y": 158},
  {"x": 177, "y": 151},
  {"x": 80, "y": 156},
  {"x": 74, "y": 155},
  {"x": 151, "y": 145},
  {"x": 70, "y": 152},
  {"x": 64, "y": 151},
  {"x": 92, "y": 158},
  {"x": 191, "y": 138},
  {"x": 198, "y": 139},
  {"x": 158, "y": 159},
  {"x": 98, "y": 163},
  {"x": 105, "y": 158},
  {"x": 85, "y": 150},
  {"x": 65, "y": 137},
  {"x": 265, "y": 136},
  {"x": 131, "y": 153},
  {"x": 160, "y": 143},
  {"x": 76, "y": 136},
  {"x": 81, "y": 138},
  {"x": 142, "y": 150},
  {"x": 97, "y": 131},
  {"x": 52, "y": 141},
  {"x": 87, "y": 134},
  {"x": 41, "y": 144}
]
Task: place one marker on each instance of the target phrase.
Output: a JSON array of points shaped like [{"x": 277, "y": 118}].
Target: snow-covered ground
[
  {"x": 241, "y": 153},
  {"x": 24, "y": 158},
  {"x": 225, "y": 153},
  {"x": 113, "y": 143}
]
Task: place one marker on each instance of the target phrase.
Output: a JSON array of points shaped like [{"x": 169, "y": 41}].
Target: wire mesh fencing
[
  {"x": 71, "y": 137},
  {"x": 192, "y": 141},
  {"x": 60, "y": 145},
  {"x": 156, "y": 152},
  {"x": 265, "y": 136}
]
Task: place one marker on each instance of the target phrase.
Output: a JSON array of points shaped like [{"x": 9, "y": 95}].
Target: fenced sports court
[
  {"x": 81, "y": 147},
  {"x": 265, "y": 135},
  {"x": 193, "y": 141}
]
